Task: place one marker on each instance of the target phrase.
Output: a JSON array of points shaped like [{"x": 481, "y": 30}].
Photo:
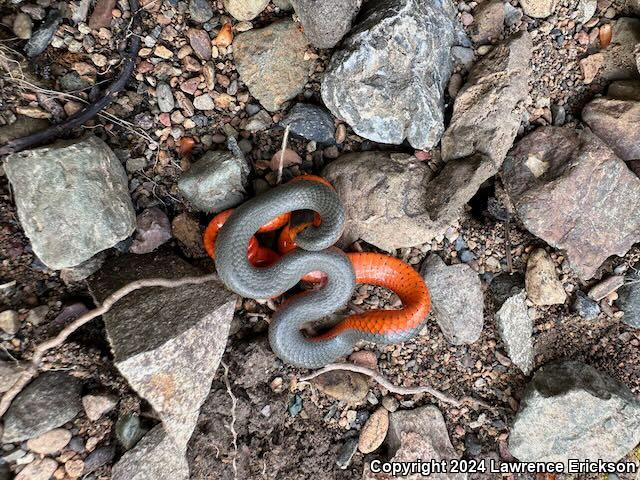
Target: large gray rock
[
  {"x": 489, "y": 108},
  {"x": 325, "y": 22},
  {"x": 72, "y": 198},
  {"x": 387, "y": 80},
  {"x": 571, "y": 410},
  {"x": 167, "y": 342},
  {"x": 516, "y": 330},
  {"x": 419, "y": 434},
  {"x": 573, "y": 192},
  {"x": 155, "y": 457},
  {"x": 272, "y": 62},
  {"x": 49, "y": 401},
  {"x": 456, "y": 298},
  {"x": 216, "y": 182},
  {"x": 617, "y": 122}
]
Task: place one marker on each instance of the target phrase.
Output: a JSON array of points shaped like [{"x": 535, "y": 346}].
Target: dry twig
[
  {"x": 383, "y": 382},
  {"x": 31, "y": 369}
]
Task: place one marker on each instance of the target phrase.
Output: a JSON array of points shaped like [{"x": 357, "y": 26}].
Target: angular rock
[
  {"x": 629, "y": 302},
  {"x": 155, "y": 457},
  {"x": 245, "y": 9},
  {"x": 186, "y": 229},
  {"x": 9, "y": 374},
  {"x": 41, "y": 469},
  {"x": 72, "y": 198},
  {"x": 572, "y": 191},
  {"x": 42, "y": 37},
  {"x": 216, "y": 182},
  {"x": 571, "y": 410},
  {"x": 95, "y": 406},
  {"x": 617, "y": 122},
  {"x": 271, "y": 61},
  {"x": 489, "y": 108},
  {"x": 49, "y": 401},
  {"x": 167, "y": 343},
  {"x": 538, "y": 8},
  {"x": 543, "y": 286},
  {"x": 586, "y": 307},
  {"x": 418, "y": 434},
  {"x": 388, "y": 78},
  {"x": 326, "y": 22},
  {"x": 489, "y": 22},
  {"x": 200, "y": 42},
  {"x": 516, "y": 330},
  {"x": 153, "y": 229},
  {"x": 456, "y": 298},
  {"x": 605, "y": 287},
  {"x": 310, "y": 122}
]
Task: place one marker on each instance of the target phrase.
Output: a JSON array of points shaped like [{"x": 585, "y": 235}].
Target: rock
[
  {"x": 200, "y": 10},
  {"x": 49, "y": 401},
  {"x": 272, "y": 63},
  {"x": 155, "y": 457},
  {"x": 374, "y": 431},
  {"x": 204, "y": 102},
  {"x": 22, "y": 127},
  {"x": 9, "y": 322},
  {"x": 605, "y": 287},
  {"x": 348, "y": 387},
  {"x": 200, "y": 42},
  {"x": 516, "y": 330},
  {"x": 617, "y": 123},
  {"x": 505, "y": 286},
  {"x": 95, "y": 406},
  {"x": 22, "y": 26},
  {"x": 82, "y": 271},
  {"x": 50, "y": 442},
  {"x": 38, "y": 315},
  {"x": 591, "y": 66},
  {"x": 259, "y": 122},
  {"x": 129, "y": 430},
  {"x": 594, "y": 417},
  {"x": 310, "y": 122},
  {"x": 74, "y": 468},
  {"x": 545, "y": 175},
  {"x": 41, "y": 469},
  {"x": 624, "y": 90},
  {"x": 456, "y": 298},
  {"x": 215, "y": 182},
  {"x": 245, "y": 9},
  {"x": 585, "y": 307},
  {"x": 488, "y": 110},
  {"x": 538, "y": 8},
  {"x": 167, "y": 343},
  {"x": 284, "y": 5},
  {"x": 489, "y": 22},
  {"x": 387, "y": 79},
  {"x": 629, "y": 302},
  {"x": 326, "y": 22},
  {"x": 586, "y": 9},
  {"x": 463, "y": 56},
  {"x": 543, "y": 286},
  {"x": 153, "y": 229},
  {"x": 42, "y": 37},
  {"x": 164, "y": 95},
  {"x": 102, "y": 14},
  {"x": 9, "y": 374},
  {"x": 99, "y": 457},
  {"x": 346, "y": 453},
  {"x": 186, "y": 229},
  {"x": 72, "y": 198},
  {"x": 418, "y": 434},
  {"x": 619, "y": 57}
]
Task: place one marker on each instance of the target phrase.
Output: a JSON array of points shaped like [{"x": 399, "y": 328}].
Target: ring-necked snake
[{"x": 306, "y": 252}]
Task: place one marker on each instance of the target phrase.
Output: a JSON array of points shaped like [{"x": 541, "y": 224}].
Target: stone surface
[
  {"x": 349, "y": 387},
  {"x": 215, "y": 182},
  {"x": 571, "y": 410},
  {"x": 617, "y": 122},
  {"x": 605, "y": 287},
  {"x": 489, "y": 109},
  {"x": 186, "y": 229},
  {"x": 570, "y": 189},
  {"x": 152, "y": 230},
  {"x": 489, "y": 22},
  {"x": 271, "y": 61},
  {"x": 586, "y": 307},
  {"x": 99, "y": 457},
  {"x": 49, "y": 401},
  {"x": 50, "y": 442},
  {"x": 129, "y": 430},
  {"x": 326, "y": 22},
  {"x": 9, "y": 322},
  {"x": 543, "y": 285},
  {"x": 624, "y": 90},
  {"x": 102, "y": 14},
  {"x": 629, "y": 301},
  {"x": 456, "y": 299},
  {"x": 538, "y": 8},
  {"x": 200, "y": 10},
  {"x": 164, "y": 95},
  {"x": 167, "y": 343},
  {"x": 95, "y": 406},
  {"x": 41, "y": 38},
  {"x": 388, "y": 77},
  {"x": 72, "y": 198},
  {"x": 41, "y": 469},
  {"x": 9, "y": 374},
  {"x": 245, "y": 9},
  {"x": 419, "y": 434},
  {"x": 200, "y": 42},
  {"x": 516, "y": 330},
  {"x": 619, "y": 57},
  {"x": 310, "y": 122}
]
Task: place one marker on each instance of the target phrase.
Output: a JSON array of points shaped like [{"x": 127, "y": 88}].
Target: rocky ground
[{"x": 493, "y": 146}]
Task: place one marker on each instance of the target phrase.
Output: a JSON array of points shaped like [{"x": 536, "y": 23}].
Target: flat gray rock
[
  {"x": 617, "y": 122},
  {"x": 456, "y": 298},
  {"x": 216, "y": 182},
  {"x": 72, "y": 198},
  {"x": 572, "y": 191},
  {"x": 388, "y": 77},
  {"x": 167, "y": 342},
  {"x": 572, "y": 411},
  {"x": 516, "y": 330},
  {"x": 310, "y": 122},
  {"x": 325, "y": 22},
  {"x": 49, "y": 401}
]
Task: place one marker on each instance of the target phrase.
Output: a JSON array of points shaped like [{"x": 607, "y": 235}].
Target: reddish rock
[
  {"x": 101, "y": 16},
  {"x": 200, "y": 42}
]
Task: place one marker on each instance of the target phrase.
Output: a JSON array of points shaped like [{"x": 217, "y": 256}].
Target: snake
[{"x": 306, "y": 252}]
